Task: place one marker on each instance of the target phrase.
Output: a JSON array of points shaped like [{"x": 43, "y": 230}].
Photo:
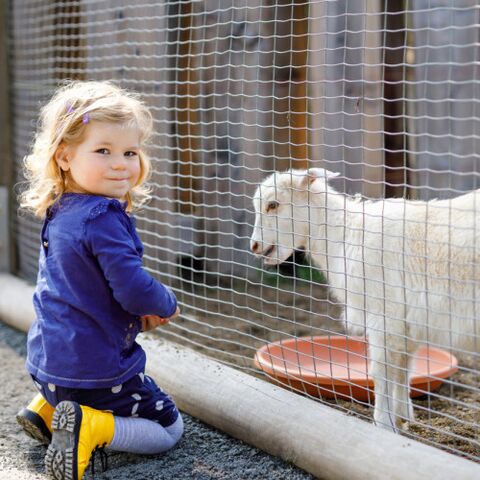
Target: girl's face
[{"x": 106, "y": 162}]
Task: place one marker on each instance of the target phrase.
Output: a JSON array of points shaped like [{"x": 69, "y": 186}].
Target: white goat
[{"x": 407, "y": 271}]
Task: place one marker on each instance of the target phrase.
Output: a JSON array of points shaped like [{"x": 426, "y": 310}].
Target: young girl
[{"x": 87, "y": 173}]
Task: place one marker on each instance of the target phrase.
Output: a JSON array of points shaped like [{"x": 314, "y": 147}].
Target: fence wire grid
[{"x": 384, "y": 93}]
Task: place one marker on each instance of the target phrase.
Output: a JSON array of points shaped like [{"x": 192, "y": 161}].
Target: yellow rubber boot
[
  {"x": 77, "y": 432},
  {"x": 36, "y": 419}
]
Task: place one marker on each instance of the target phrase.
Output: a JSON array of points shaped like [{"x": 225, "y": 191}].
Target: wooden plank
[
  {"x": 5, "y": 133},
  {"x": 32, "y": 81},
  {"x": 7, "y": 243},
  {"x": 345, "y": 92},
  {"x": 298, "y": 79},
  {"x": 5, "y": 230},
  {"x": 68, "y": 55},
  {"x": 372, "y": 119},
  {"x": 250, "y": 63},
  {"x": 290, "y": 105},
  {"x": 184, "y": 98},
  {"x": 316, "y": 82},
  {"x": 395, "y": 115},
  {"x": 444, "y": 98},
  {"x": 233, "y": 63}
]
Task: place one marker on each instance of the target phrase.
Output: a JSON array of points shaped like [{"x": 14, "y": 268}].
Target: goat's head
[{"x": 282, "y": 212}]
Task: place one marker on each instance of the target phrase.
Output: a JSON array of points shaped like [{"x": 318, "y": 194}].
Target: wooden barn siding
[
  {"x": 345, "y": 92},
  {"x": 32, "y": 30},
  {"x": 184, "y": 98},
  {"x": 250, "y": 119},
  {"x": 445, "y": 97},
  {"x": 221, "y": 120},
  {"x": 289, "y": 25},
  {"x": 394, "y": 110},
  {"x": 185, "y": 130},
  {"x": 7, "y": 239},
  {"x": 233, "y": 98}
]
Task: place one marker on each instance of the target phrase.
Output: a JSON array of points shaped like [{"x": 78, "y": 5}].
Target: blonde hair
[{"x": 62, "y": 120}]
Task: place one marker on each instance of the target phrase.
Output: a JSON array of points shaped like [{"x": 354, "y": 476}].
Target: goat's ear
[{"x": 313, "y": 174}]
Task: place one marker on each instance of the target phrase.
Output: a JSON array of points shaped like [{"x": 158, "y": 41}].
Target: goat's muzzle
[{"x": 255, "y": 247}]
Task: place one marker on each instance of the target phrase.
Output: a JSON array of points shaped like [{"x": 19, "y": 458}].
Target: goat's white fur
[{"x": 407, "y": 271}]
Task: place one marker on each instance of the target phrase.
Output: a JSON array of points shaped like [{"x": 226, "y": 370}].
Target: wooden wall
[
  {"x": 246, "y": 98},
  {"x": 444, "y": 97},
  {"x": 345, "y": 92},
  {"x": 228, "y": 88},
  {"x": 7, "y": 251},
  {"x": 32, "y": 77},
  {"x": 244, "y": 88}
]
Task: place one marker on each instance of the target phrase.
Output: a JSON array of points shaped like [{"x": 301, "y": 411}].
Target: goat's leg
[
  {"x": 403, "y": 406},
  {"x": 354, "y": 321},
  {"x": 383, "y": 414},
  {"x": 388, "y": 367}
]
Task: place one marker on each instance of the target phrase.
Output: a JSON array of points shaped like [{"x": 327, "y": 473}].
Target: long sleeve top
[{"x": 91, "y": 292}]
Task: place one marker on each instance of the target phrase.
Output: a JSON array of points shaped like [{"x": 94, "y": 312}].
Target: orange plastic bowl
[{"x": 337, "y": 367}]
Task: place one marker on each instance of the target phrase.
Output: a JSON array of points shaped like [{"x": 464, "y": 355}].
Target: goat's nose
[{"x": 254, "y": 247}]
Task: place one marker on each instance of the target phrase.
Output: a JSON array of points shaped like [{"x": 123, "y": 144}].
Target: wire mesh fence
[{"x": 384, "y": 93}]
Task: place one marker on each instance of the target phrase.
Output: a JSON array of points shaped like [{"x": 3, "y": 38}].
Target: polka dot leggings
[
  {"x": 146, "y": 419},
  {"x": 137, "y": 397}
]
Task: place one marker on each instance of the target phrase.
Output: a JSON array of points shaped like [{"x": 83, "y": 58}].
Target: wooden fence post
[
  {"x": 6, "y": 167},
  {"x": 32, "y": 76}
]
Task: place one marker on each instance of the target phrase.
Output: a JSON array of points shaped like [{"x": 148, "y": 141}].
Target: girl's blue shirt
[{"x": 91, "y": 292}]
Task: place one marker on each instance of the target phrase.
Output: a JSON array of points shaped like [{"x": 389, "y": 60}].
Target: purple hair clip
[{"x": 85, "y": 118}]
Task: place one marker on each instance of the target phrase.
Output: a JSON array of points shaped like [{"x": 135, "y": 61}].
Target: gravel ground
[{"x": 202, "y": 454}]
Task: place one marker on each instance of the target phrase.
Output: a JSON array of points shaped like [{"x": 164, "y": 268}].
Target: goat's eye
[{"x": 272, "y": 206}]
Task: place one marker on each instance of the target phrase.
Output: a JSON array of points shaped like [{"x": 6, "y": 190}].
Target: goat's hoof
[{"x": 387, "y": 425}]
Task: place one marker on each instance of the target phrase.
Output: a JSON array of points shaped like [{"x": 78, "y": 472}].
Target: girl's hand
[
  {"x": 149, "y": 322},
  {"x": 175, "y": 315}
]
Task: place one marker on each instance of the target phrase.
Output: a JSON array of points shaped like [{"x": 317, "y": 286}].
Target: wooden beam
[
  {"x": 372, "y": 119},
  {"x": 290, "y": 105},
  {"x": 345, "y": 86},
  {"x": 69, "y": 62},
  {"x": 6, "y": 170},
  {"x": 184, "y": 98},
  {"x": 395, "y": 115},
  {"x": 7, "y": 252}
]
